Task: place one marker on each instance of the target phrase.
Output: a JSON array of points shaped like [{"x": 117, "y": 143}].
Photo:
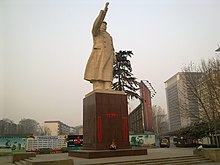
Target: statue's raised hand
[{"x": 106, "y": 6}]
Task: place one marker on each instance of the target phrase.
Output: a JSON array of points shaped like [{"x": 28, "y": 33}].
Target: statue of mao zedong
[{"x": 99, "y": 68}]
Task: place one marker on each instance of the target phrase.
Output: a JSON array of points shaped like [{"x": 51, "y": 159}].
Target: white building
[
  {"x": 54, "y": 142},
  {"x": 57, "y": 128}
]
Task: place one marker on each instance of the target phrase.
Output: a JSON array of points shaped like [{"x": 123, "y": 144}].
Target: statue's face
[{"x": 103, "y": 26}]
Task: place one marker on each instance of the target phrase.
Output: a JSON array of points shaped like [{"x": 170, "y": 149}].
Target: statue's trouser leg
[
  {"x": 98, "y": 85},
  {"x": 107, "y": 85}
]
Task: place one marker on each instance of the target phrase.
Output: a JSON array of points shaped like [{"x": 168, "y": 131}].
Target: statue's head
[{"x": 103, "y": 25}]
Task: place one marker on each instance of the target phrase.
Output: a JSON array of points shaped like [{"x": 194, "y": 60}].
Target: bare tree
[
  {"x": 44, "y": 130},
  {"x": 160, "y": 121},
  {"x": 188, "y": 95},
  {"x": 7, "y": 127},
  {"x": 205, "y": 89}
]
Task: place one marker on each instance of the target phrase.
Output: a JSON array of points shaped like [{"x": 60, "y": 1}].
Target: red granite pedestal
[
  {"x": 92, "y": 154},
  {"x": 105, "y": 119}
]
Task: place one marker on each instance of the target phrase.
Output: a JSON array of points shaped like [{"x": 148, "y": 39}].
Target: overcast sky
[{"x": 45, "y": 44}]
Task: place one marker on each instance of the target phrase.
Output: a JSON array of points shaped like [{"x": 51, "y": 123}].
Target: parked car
[{"x": 164, "y": 143}]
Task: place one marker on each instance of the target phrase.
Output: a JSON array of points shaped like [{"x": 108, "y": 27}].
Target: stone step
[
  {"x": 179, "y": 162},
  {"x": 147, "y": 160},
  {"x": 19, "y": 163},
  {"x": 23, "y": 161},
  {"x": 162, "y": 161},
  {"x": 30, "y": 159},
  {"x": 193, "y": 162},
  {"x": 178, "y": 159}
]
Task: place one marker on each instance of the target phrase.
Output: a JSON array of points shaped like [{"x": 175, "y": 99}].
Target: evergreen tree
[{"x": 123, "y": 79}]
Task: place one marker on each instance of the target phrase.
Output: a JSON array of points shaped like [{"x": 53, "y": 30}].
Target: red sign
[
  {"x": 99, "y": 129},
  {"x": 112, "y": 115}
]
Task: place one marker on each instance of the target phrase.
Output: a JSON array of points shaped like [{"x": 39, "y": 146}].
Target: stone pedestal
[{"x": 105, "y": 119}]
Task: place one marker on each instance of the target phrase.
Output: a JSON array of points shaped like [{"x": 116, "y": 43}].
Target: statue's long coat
[{"x": 100, "y": 63}]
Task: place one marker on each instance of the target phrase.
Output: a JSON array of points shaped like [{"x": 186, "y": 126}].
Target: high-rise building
[{"x": 182, "y": 105}]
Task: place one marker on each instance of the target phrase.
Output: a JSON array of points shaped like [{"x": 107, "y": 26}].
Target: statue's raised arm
[
  {"x": 99, "y": 20},
  {"x": 99, "y": 68}
]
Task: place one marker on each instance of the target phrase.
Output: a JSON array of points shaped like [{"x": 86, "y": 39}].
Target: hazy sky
[{"x": 45, "y": 44}]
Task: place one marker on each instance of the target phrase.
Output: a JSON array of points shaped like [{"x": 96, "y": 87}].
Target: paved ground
[
  {"x": 152, "y": 154},
  {"x": 5, "y": 159}
]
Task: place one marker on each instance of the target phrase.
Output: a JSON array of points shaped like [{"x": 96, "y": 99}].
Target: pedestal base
[{"x": 91, "y": 154}]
